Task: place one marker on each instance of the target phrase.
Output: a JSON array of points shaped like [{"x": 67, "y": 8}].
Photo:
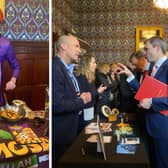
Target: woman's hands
[{"x": 101, "y": 89}]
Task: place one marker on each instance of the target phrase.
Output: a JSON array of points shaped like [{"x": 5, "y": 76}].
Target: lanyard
[
  {"x": 71, "y": 75},
  {"x": 75, "y": 82}
]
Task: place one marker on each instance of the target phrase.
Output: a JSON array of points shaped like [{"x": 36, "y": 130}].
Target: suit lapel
[
  {"x": 160, "y": 70},
  {"x": 64, "y": 70}
]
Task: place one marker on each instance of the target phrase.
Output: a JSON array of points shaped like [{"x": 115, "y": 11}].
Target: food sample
[
  {"x": 10, "y": 114},
  {"x": 123, "y": 125},
  {"x": 125, "y": 128}
]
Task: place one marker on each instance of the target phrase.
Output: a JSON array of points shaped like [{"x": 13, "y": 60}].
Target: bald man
[{"x": 67, "y": 100}]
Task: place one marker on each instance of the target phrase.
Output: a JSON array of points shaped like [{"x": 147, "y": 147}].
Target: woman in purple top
[{"x": 7, "y": 54}]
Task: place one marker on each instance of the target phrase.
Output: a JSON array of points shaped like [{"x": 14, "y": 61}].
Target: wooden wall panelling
[{"x": 33, "y": 58}]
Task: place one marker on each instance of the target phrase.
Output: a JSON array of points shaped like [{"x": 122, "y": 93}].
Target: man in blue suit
[
  {"x": 157, "y": 122},
  {"x": 67, "y": 101}
]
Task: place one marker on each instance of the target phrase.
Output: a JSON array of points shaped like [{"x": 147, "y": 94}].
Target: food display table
[
  {"x": 83, "y": 154},
  {"x": 23, "y": 144}
]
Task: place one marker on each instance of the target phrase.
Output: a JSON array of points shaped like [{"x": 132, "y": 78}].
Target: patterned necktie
[{"x": 154, "y": 70}]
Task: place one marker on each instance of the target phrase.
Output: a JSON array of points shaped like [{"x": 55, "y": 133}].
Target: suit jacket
[
  {"x": 65, "y": 105},
  {"x": 157, "y": 124},
  {"x": 85, "y": 86},
  {"x": 7, "y": 54},
  {"x": 127, "y": 101}
]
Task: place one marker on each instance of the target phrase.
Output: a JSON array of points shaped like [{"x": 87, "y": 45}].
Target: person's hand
[
  {"x": 101, "y": 88},
  {"x": 122, "y": 69},
  {"x": 146, "y": 103},
  {"x": 10, "y": 85},
  {"x": 86, "y": 97}
]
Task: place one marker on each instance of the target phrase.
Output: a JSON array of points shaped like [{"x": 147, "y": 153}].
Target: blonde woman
[{"x": 85, "y": 73}]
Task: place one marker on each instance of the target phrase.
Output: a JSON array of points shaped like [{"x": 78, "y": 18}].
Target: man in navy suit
[
  {"x": 67, "y": 101},
  {"x": 157, "y": 120}
]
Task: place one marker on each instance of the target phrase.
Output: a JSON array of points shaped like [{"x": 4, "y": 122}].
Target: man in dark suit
[
  {"x": 157, "y": 120},
  {"x": 67, "y": 101}
]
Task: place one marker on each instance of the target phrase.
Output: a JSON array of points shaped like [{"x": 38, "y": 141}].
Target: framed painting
[
  {"x": 143, "y": 33},
  {"x": 2, "y": 10}
]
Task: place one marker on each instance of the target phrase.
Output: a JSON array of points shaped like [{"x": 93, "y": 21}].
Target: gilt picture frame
[
  {"x": 145, "y": 32},
  {"x": 2, "y": 10}
]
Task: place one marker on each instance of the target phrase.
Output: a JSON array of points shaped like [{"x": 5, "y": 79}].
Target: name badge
[{"x": 88, "y": 113}]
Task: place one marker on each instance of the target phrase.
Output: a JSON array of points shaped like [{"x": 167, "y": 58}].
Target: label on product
[{"x": 27, "y": 162}]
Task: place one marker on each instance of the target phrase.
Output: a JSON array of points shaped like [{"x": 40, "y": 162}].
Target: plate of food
[
  {"x": 125, "y": 129},
  {"x": 11, "y": 113}
]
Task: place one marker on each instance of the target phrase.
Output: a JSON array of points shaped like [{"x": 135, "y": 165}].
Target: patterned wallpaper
[
  {"x": 109, "y": 25},
  {"x": 63, "y": 15},
  {"x": 26, "y": 20}
]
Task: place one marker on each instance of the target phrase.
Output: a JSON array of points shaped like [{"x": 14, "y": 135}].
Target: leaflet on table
[
  {"x": 131, "y": 140},
  {"x": 93, "y": 128},
  {"x": 151, "y": 88},
  {"x": 94, "y": 138},
  {"x": 126, "y": 148}
]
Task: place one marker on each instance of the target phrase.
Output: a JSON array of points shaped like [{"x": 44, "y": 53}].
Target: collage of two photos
[
  {"x": 83, "y": 83},
  {"x": 109, "y": 83}
]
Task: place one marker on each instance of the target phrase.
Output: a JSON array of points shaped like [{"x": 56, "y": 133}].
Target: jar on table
[{"x": 22, "y": 104}]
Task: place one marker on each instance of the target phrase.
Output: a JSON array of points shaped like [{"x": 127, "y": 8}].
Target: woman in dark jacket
[
  {"x": 106, "y": 76},
  {"x": 85, "y": 73}
]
